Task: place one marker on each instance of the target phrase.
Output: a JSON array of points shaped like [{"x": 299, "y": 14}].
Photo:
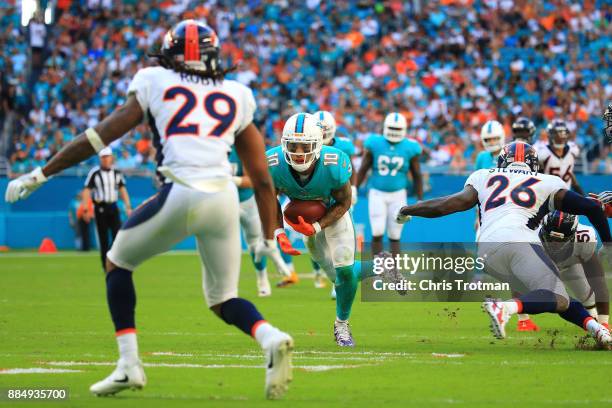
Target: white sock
[
  {"x": 263, "y": 333},
  {"x": 340, "y": 320},
  {"x": 263, "y": 274},
  {"x": 603, "y": 318},
  {"x": 128, "y": 347},
  {"x": 511, "y": 306},
  {"x": 592, "y": 326}
]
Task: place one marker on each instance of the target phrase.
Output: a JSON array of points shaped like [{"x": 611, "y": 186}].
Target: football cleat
[
  {"x": 527, "y": 325},
  {"x": 263, "y": 287},
  {"x": 499, "y": 316},
  {"x": 342, "y": 333},
  {"x": 288, "y": 280},
  {"x": 603, "y": 337},
  {"x": 125, "y": 376},
  {"x": 319, "y": 281},
  {"x": 278, "y": 365}
]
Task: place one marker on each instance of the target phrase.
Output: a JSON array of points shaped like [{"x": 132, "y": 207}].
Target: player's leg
[
  {"x": 524, "y": 323},
  {"x": 377, "y": 212},
  {"x": 576, "y": 282},
  {"x": 293, "y": 277},
  {"x": 115, "y": 222},
  {"x": 217, "y": 233},
  {"x": 530, "y": 264},
  {"x": 251, "y": 225},
  {"x": 319, "y": 278},
  {"x": 102, "y": 231},
  {"x": 152, "y": 228},
  {"x": 340, "y": 239},
  {"x": 394, "y": 202}
]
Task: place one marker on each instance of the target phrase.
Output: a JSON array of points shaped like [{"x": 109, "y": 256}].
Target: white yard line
[
  {"x": 190, "y": 365},
  {"x": 37, "y": 370}
]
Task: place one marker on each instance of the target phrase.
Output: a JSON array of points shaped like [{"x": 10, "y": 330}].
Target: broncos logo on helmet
[{"x": 518, "y": 152}]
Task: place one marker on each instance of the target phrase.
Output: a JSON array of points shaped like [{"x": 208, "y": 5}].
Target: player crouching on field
[
  {"x": 303, "y": 169},
  {"x": 572, "y": 246},
  {"x": 513, "y": 199}
]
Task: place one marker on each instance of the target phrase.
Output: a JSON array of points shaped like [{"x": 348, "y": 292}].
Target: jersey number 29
[{"x": 224, "y": 118}]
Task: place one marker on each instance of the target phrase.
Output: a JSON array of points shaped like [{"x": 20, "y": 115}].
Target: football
[{"x": 311, "y": 210}]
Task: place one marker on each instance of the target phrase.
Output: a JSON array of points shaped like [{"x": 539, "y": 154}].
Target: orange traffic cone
[{"x": 47, "y": 246}]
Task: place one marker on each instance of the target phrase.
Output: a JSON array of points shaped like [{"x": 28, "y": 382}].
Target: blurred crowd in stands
[{"x": 447, "y": 65}]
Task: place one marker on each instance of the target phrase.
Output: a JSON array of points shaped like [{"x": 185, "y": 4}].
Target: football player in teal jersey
[
  {"x": 251, "y": 225},
  {"x": 347, "y": 146},
  {"x": 391, "y": 157},
  {"x": 302, "y": 168},
  {"x": 493, "y": 137}
]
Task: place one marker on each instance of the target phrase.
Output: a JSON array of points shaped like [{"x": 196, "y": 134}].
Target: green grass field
[{"x": 53, "y": 315}]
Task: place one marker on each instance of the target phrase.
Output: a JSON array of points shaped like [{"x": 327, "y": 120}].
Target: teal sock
[
  {"x": 286, "y": 257},
  {"x": 261, "y": 265},
  {"x": 346, "y": 288}
]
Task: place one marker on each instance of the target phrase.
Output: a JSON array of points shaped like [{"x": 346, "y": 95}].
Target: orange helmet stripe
[
  {"x": 192, "y": 45},
  {"x": 520, "y": 152}
]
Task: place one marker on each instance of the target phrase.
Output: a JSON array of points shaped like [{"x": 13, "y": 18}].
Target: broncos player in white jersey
[
  {"x": 559, "y": 156},
  {"x": 196, "y": 117},
  {"x": 513, "y": 199},
  {"x": 572, "y": 246}
]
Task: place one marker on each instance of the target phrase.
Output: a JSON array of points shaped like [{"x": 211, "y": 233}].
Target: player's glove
[
  {"x": 268, "y": 248},
  {"x": 303, "y": 227},
  {"x": 354, "y": 195},
  {"x": 402, "y": 218},
  {"x": 25, "y": 185},
  {"x": 285, "y": 243},
  {"x": 605, "y": 199}
]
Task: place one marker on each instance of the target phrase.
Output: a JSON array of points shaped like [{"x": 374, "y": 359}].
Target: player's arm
[
  {"x": 84, "y": 145},
  {"x": 574, "y": 203},
  {"x": 251, "y": 150},
  {"x": 417, "y": 177},
  {"x": 125, "y": 197},
  {"x": 366, "y": 164},
  {"x": 594, "y": 272},
  {"x": 439, "y": 207},
  {"x": 575, "y": 186},
  {"x": 111, "y": 128},
  {"x": 343, "y": 199}
]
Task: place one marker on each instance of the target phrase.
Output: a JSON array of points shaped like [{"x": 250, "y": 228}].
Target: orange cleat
[
  {"x": 527, "y": 325},
  {"x": 288, "y": 280}
]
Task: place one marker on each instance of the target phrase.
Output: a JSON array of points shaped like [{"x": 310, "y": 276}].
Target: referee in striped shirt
[{"x": 105, "y": 185}]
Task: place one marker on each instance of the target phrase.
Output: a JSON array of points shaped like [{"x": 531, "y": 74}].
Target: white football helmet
[
  {"x": 329, "y": 125},
  {"x": 302, "y": 141},
  {"x": 394, "y": 127},
  {"x": 493, "y": 136}
]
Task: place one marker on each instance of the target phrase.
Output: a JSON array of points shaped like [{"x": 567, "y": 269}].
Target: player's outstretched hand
[
  {"x": 268, "y": 248},
  {"x": 402, "y": 218},
  {"x": 303, "y": 227},
  {"x": 285, "y": 243},
  {"x": 605, "y": 199},
  {"x": 23, "y": 186}
]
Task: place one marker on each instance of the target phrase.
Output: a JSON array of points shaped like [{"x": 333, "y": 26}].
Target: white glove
[
  {"x": 268, "y": 247},
  {"x": 23, "y": 186},
  {"x": 354, "y": 196},
  {"x": 401, "y": 218}
]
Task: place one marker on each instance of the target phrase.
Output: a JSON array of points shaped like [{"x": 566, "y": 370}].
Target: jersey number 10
[{"x": 224, "y": 119}]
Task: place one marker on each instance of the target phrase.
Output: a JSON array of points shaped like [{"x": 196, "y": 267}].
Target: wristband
[
  {"x": 94, "y": 139},
  {"x": 38, "y": 175},
  {"x": 237, "y": 180},
  {"x": 317, "y": 227}
]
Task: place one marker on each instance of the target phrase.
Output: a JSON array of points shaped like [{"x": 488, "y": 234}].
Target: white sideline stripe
[
  {"x": 452, "y": 355},
  {"x": 38, "y": 370},
  {"x": 297, "y": 355},
  {"x": 188, "y": 365}
]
